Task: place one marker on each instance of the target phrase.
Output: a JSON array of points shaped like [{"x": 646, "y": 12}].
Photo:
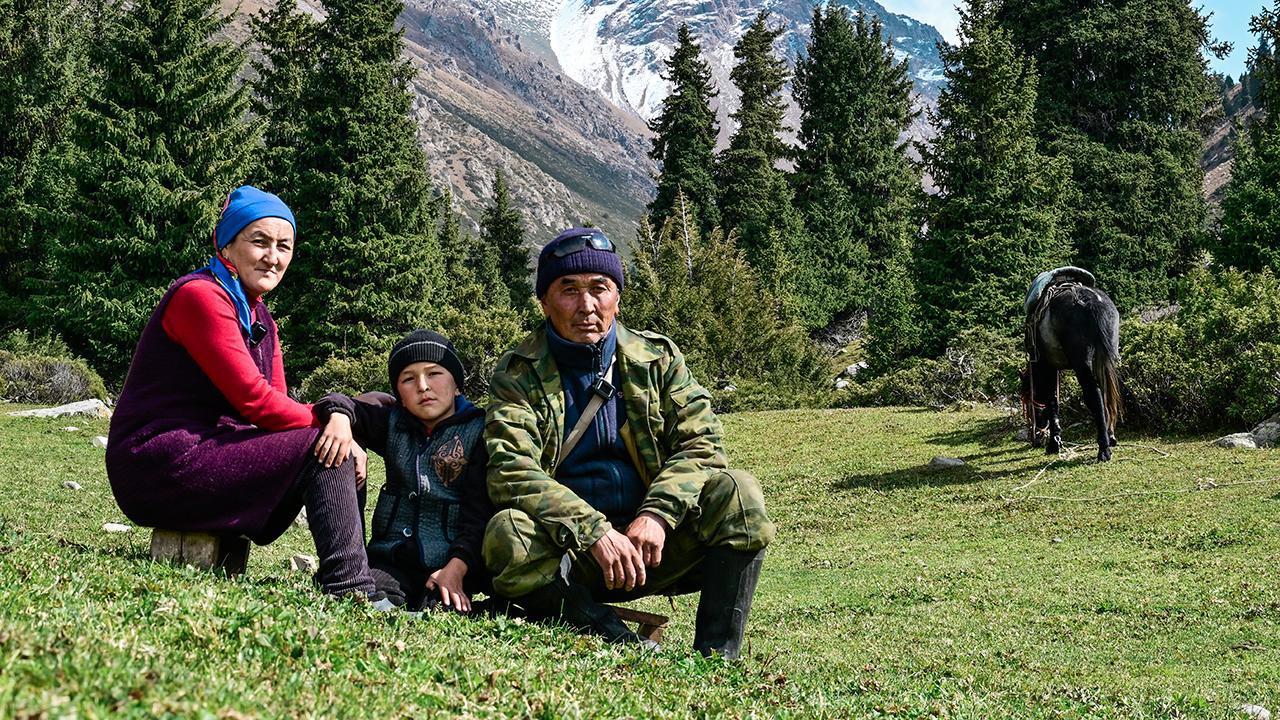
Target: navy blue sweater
[{"x": 599, "y": 470}]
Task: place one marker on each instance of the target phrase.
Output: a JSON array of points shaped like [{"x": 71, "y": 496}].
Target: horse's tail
[{"x": 1106, "y": 370}]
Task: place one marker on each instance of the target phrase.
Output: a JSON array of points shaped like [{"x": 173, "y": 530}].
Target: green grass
[{"x": 892, "y": 590}]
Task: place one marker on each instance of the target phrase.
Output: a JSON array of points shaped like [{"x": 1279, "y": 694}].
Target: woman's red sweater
[{"x": 201, "y": 318}]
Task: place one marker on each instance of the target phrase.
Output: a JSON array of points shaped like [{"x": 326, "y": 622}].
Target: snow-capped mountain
[
  {"x": 556, "y": 92},
  {"x": 617, "y": 47}
]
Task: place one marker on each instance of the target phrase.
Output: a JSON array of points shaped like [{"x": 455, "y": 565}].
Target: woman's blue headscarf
[{"x": 244, "y": 205}]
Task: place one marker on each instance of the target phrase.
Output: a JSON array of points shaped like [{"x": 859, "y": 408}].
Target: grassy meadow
[{"x": 1147, "y": 587}]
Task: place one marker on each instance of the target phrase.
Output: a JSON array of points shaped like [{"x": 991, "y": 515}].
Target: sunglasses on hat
[{"x": 578, "y": 243}]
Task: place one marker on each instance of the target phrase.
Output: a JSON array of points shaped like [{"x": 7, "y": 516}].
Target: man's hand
[
  {"x": 361, "y": 459},
  {"x": 334, "y": 444},
  {"x": 448, "y": 582},
  {"x": 648, "y": 533},
  {"x": 621, "y": 562}
]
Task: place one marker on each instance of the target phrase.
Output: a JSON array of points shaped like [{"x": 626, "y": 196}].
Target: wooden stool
[
  {"x": 203, "y": 550},
  {"x": 649, "y": 625}
]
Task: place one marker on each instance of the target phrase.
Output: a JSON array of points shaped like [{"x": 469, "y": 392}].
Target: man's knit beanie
[
  {"x": 586, "y": 260},
  {"x": 424, "y": 346}
]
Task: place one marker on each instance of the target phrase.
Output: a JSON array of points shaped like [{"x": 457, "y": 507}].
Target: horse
[{"x": 1073, "y": 327}]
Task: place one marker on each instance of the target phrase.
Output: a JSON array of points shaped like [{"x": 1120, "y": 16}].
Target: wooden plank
[
  {"x": 650, "y": 625},
  {"x": 202, "y": 550}
]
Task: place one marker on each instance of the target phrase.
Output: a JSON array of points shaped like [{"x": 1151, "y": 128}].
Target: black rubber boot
[
  {"x": 570, "y": 602},
  {"x": 728, "y": 583}
]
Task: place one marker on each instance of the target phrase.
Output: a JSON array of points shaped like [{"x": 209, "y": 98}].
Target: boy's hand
[
  {"x": 335, "y": 441},
  {"x": 448, "y": 582}
]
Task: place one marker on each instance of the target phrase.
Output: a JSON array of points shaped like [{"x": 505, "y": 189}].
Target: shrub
[
  {"x": 1214, "y": 364},
  {"x": 350, "y": 376},
  {"x": 45, "y": 380},
  {"x": 979, "y": 365}
]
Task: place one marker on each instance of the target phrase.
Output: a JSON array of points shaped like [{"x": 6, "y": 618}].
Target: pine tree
[
  {"x": 756, "y": 200},
  {"x": 704, "y": 295},
  {"x": 994, "y": 223},
  {"x": 685, "y": 135},
  {"x": 1123, "y": 86},
  {"x": 160, "y": 142},
  {"x": 287, "y": 37},
  {"x": 368, "y": 268},
  {"x": 855, "y": 103},
  {"x": 1251, "y": 206},
  {"x": 43, "y": 75},
  {"x": 502, "y": 230}
]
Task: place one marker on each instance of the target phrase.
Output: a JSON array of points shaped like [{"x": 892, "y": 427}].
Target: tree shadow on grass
[{"x": 986, "y": 433}]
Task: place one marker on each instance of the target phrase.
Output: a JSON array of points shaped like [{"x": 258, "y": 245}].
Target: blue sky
[{"x": 1230, "y": 21}]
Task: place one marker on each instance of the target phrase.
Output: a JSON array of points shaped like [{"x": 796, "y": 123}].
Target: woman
[{"x": 205, "y": 436}]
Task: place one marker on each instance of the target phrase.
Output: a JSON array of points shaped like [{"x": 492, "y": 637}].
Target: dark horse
[{"x": 1073, "y": 327}]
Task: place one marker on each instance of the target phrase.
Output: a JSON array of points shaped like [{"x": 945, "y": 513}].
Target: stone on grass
[
  {"x": 301, "y": 520},
  {"x": 100, "y": 441},
  {"x": 941, "y": 461},
  {"x": 1267, "y": 434},
  {"x": 71, "y": 484},
  {"x": 304, "y": 563},
  {"x": 1023, "y": 435},
  {"x": 1238, "y": 441},
  {"x": 1255, "y": 712},
  {"x": 115, "y": 528},
  {"x": 84, "y": 408},
  {"x": 842, "y": 384},
  {"x": 71, "y": 428}
]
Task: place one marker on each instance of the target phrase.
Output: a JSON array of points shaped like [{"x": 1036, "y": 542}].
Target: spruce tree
[
  {"x": 685, "y": 135},
  {"x": 855, "y": 103},
  {"x": 43, "y": 75},
  {"x": 704, "y": 295},
  {"x": 994, "y": 222},
  {"x": 1251, "y": 206},
  {"x": 161, "y": 140},
  {"x": 502, "y": 230},
  {"x": 287, "y": 38},
  {"x": 367, "y": 268},
  {"x": 1123, "y": 87},
  {"x": 756, "y": 200}
]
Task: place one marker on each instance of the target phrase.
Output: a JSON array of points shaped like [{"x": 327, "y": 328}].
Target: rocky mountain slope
[{"x": 557, "y": 92}]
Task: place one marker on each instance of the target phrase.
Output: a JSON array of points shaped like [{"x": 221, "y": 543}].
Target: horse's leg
[
  {"x": 1093, "y": 399},
  {"x": 1045, "y": 377}
]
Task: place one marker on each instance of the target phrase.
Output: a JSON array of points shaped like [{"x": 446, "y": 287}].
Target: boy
[{"x": 428, "y": 524}]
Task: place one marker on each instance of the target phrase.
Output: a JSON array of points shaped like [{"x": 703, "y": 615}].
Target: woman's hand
[
  {"x": 335, "y": 441},
  {"x": 448, "y": 582}
]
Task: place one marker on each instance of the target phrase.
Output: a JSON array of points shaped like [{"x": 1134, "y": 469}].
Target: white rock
[
  {"x": 1257, "y": 712},
  {"x": 1237, "y": 441},
  {"x": 854, "y": 369},
  {"x": 100, "y": 441},
  {"x": 1022, "y": 435},
  {"x": 301, "y": 520},
  {"x": 941, "y": 461},
  {"x": 84, "y": 408},
  {"x": 304, "y": 563},
  {"x": 71, "y": 485},
  {"x": 115, "y": 528},
  {"x": 71, "y": 428},
  {"x": 842, "y": 384},
  {"x": 1267, "y": 434}
]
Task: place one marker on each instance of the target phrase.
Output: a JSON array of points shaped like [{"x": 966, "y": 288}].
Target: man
[{"x": 644, "y": 502}]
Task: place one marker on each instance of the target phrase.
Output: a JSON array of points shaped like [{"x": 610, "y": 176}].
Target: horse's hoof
[
  {"x": 1053, "y": 446},
  {"x": 1104, "y": 454},
  {"x": 1113, "y": 441}
]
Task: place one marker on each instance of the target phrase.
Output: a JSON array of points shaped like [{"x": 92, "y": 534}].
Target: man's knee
[
  {"x": 507, "y": 538},
  {"x": 733, "y": 512}
]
